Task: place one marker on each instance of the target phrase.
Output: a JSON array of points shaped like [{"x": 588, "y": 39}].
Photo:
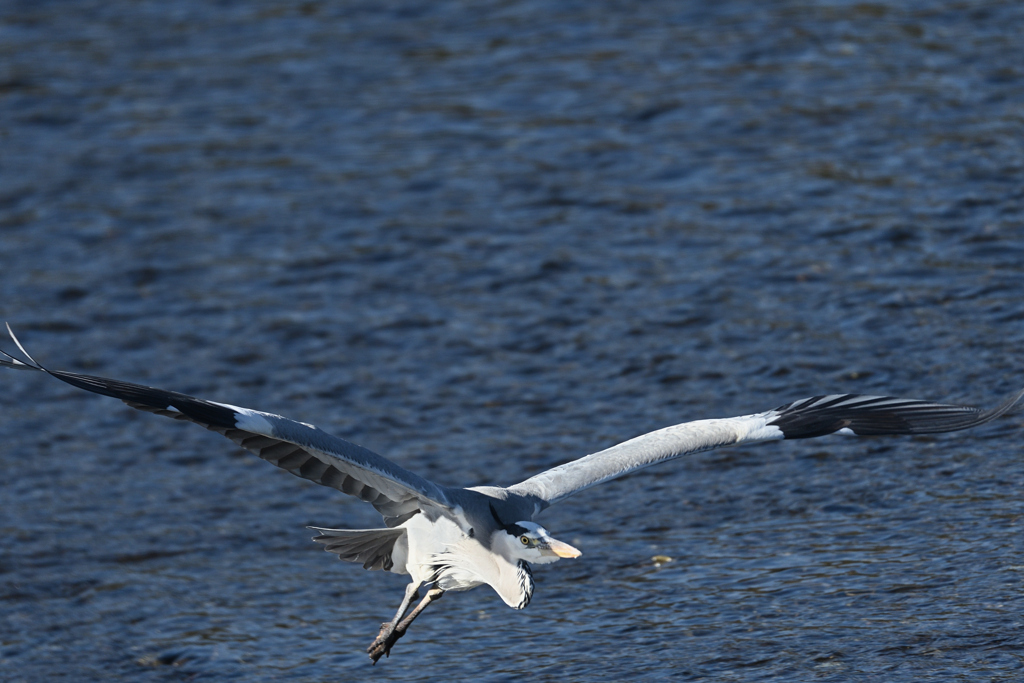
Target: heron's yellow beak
[{"x": 562, "y": 549}]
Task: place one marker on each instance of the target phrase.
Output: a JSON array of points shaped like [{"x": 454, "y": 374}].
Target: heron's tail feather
[{"x": 372, "y": 548}]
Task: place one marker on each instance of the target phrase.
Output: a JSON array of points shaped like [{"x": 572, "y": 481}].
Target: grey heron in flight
[{"x": 453, "y": 539}]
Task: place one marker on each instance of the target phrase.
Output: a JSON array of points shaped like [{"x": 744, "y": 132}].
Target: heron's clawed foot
[
  {"x": 391, "y": 632},
  {"x": 386, "y": 639}
]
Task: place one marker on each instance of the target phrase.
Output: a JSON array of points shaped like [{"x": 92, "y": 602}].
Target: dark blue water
[{"x": 483, "y": 239}]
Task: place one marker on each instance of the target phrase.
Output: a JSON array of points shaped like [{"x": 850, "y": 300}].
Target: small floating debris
[
  {"x": 166, "y": 659},
  {"x": 659, "y": 560}
]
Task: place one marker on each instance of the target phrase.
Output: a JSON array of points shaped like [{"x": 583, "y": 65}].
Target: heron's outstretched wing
[
  {"x": 302, "y": 449},
  {"x": 852, "y": 414}
]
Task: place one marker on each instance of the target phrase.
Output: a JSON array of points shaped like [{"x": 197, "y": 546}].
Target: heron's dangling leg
[
  {"x": 412, "y": 591},
  {"x": 381, "y": 648}
]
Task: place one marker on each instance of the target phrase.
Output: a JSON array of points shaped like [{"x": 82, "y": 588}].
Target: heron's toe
[{"x": 381, "y": 647}]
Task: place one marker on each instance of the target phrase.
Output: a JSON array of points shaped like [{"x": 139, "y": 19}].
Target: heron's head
[{"x": 532, "y": 543}]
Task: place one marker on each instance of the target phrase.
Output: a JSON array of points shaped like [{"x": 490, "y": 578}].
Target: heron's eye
[{"x": 525, "y": 540}]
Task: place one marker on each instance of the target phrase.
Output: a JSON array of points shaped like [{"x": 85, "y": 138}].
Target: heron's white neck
[
  {"x": 515, "y": 586},
  {"x": 514, "y": 582},
  {"x": 467, "y": 564}
]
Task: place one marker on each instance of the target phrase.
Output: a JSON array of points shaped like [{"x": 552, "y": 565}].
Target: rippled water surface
[{"x": 483, "y": 239}]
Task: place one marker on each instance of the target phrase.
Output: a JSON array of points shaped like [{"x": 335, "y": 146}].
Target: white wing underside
[{"x": 649, "y": 449}]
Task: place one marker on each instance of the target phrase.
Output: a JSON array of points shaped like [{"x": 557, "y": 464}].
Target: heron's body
[
  {"x": 458, "y": 550},
  {"x": 453, "y": 539}
]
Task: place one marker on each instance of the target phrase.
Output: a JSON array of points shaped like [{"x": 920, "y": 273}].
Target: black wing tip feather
[
  {"x": 197, "y": 409},
  {"x": 10, "y": 361},
  {"x": 878, "y": 415}
]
